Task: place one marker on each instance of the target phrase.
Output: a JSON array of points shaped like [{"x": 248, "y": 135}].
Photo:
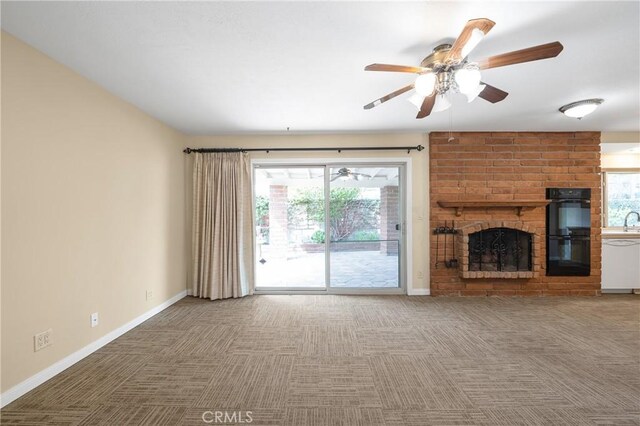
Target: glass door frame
[
  {"x": 401, "y": 289},
  {"x": 327, "y": 164},
  {"x": 285, "y": 290}
]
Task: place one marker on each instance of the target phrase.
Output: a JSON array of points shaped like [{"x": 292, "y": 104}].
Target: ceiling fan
[
  {"x": 347, "y": 174},
  {"x": 447, "y": 69}
]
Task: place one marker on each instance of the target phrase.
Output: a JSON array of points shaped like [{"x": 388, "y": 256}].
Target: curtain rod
[{"x": 267, "y": 150}]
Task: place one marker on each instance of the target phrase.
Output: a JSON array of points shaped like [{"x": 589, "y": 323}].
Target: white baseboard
[
  {"x": 39, "y": 378},
  {"x": 419, "y": 292}
]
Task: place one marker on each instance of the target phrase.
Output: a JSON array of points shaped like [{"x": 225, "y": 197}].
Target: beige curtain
[{"x": 222, "y": 226}]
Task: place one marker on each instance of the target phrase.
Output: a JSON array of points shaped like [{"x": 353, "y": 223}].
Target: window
[{"x": 621, "y": 195}]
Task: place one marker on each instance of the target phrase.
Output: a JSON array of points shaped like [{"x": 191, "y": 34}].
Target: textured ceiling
[{"x": 260, "y": 67}]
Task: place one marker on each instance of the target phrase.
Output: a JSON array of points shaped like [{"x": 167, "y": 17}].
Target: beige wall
[
  {"x": 92, "y": 210},
  {"x": 418, "y": 199},
  {"x": 93, "y": 206},
  {"x": 627, "y": 161},
  {"x": 620, "y": 137},
  {"x": 620, "y": 161}
]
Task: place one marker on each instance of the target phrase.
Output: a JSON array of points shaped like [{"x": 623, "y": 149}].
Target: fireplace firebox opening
[{"x": 500, "y": 249}]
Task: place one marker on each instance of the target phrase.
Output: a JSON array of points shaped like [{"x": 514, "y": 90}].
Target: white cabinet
[{"x": 620, "y": 264}]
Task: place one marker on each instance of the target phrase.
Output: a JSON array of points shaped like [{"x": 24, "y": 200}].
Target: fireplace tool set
[{"x": 446, "y": 230}]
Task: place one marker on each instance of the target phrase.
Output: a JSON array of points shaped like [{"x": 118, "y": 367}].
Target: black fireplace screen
[{"x": 500, "y": 249}]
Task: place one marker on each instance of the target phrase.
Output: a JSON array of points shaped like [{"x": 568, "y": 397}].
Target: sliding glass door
[
  {"x": 289, "y": 218},
  {"x": 335, "y": 228},
  {"x": 364, "y": 225}
]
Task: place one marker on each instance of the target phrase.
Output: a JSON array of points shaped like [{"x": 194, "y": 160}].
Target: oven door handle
[
  {"x": 571, "y": 200},
  {"x": 570, "y": 237}
]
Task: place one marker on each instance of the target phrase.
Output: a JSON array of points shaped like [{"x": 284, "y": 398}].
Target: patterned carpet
[{"x": 359, "y": 360}]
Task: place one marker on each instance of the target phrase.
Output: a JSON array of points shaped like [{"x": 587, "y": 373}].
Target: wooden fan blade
[
  {"x": 492, "y": 94},
  {"x": 427, "y": 106},
  {"x": 395, "y": 68},
  {"x": 389, "y": 96},
  {"x": 535, "y": 53},
  {"x": 458, "y": 51}
]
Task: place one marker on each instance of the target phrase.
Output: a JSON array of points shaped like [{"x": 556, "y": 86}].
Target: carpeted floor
[{"x": 359, "y": 360}]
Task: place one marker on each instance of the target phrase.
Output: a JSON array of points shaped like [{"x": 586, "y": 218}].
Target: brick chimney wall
[{"x": 506, "y": 166}]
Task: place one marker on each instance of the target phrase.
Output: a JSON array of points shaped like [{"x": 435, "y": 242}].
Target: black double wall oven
[{"x": 569, "y": 232}]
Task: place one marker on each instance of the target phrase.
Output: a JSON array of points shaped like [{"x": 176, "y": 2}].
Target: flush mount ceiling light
[{"x": 581, "y": 108}]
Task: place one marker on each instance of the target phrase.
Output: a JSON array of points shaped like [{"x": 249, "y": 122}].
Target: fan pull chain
[{"x": 450, "y": 124}]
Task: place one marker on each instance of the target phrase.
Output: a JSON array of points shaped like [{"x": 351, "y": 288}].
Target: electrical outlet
[
  {"x": 94, "y": 319},
  {"x": 149, "y": 294},
  {"x": 42, "y": 340}
]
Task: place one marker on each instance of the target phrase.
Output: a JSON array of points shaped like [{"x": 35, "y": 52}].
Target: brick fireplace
[
  {"x": 493, "y": 186},
  {"x": 499, "y": 250}
]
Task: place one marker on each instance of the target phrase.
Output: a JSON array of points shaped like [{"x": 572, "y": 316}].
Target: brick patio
[{"x": 361, "y": 269}]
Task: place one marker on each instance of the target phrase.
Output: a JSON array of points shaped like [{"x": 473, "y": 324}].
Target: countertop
[{"x": 620, "y": 235}]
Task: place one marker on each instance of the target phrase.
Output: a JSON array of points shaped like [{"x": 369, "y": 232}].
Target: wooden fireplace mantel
[{"x": 520, "y": 206}]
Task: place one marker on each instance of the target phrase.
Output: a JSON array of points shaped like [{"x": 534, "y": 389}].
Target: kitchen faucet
[{"x": 625, "y": 228}]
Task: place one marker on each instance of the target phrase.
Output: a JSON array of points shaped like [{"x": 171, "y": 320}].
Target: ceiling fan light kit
[
  {"x": 416, "y": 99},
  {"x": 425, "y": 83},
  {"x": 447, "y": 70},
  {"x": 442, "y": 103},
  {"x": 580, "y": 108},
  {"x": 473, "y": 95},
  {"x": 468, "y": 79},
  {"x": 476, "y": 37}
]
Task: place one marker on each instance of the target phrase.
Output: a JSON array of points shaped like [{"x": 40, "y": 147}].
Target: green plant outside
[
  {"x": 348, "y": 212},
  {"x": 365, "y": 236},
  {"x": 318, "y": 237}
]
